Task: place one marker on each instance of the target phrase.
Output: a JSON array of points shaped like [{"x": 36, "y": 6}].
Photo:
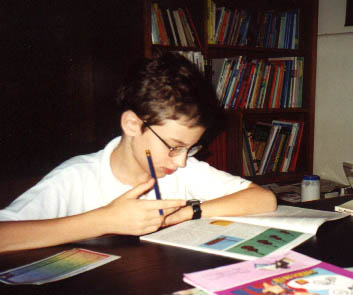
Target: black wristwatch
[{"x": 196, "y": 208}]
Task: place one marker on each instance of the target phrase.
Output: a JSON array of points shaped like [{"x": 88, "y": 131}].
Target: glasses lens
[
  {"x": 177, "y": 151},
  {"x": 194, "y": 150}
]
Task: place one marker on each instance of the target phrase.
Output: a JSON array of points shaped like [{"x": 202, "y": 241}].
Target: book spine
[
  {"x": 180, "y": 28},
  {"x": 273, "y": 86},
  {"x": 235, "y": 101},
  {"x": 248, "y": 151},
  {"x": 155, "y": 29},
  {"x": 187, "y": 31},
  {"x": 193, "y": 27},
  {"x": 162, "y": 30},
  {"x": 296, "y": 148},
  {"x": 172, "y": 27}
]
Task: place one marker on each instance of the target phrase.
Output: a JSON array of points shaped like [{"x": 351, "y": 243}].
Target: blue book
[
  {"x": 282, "y": 30},
  {"x": 268, "y": 29},
  {"x": 291, "y": 31},
  {"x": 249, "y": 152},
  {"x": 286, "y": 83},
  {"x": 237, "y": 90},
  {"x": 287, "y": 31},
  {"x": 229, "y": 82}
]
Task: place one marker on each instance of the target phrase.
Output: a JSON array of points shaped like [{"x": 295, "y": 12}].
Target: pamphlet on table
[
  {"x": 57, "y": 267},
  {"x": 285, "y": 273}
]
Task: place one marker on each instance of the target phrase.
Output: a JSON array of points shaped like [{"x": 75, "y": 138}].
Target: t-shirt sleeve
[
  {"x": 206, "y": 182},
  {"x": 43, "y": 201},
  {"x": 63, "y": 192}
]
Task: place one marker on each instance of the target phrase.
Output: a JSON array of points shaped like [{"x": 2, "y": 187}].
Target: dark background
[{"x": 60, "y": 65}]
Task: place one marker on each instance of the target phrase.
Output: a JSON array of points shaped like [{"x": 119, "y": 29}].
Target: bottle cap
[{"x": 311, "y": 177}]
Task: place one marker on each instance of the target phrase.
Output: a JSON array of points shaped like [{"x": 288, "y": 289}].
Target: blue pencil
[{"x": 153, "y": 174}]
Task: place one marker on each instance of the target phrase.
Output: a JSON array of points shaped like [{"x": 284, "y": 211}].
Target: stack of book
[
  {"x": 173, "y": 27},
  {"x": 196, "y": 57},
  {"x": 261, "y": 83},
  {"x": 271, "y": 147},
  {"x": 241, "y": 27}
]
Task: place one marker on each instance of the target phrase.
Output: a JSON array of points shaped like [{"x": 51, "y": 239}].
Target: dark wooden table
[{"x": 147, "y": 268}]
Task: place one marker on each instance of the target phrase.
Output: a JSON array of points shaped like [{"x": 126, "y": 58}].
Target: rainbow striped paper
[{"x": 57, "y": 267}]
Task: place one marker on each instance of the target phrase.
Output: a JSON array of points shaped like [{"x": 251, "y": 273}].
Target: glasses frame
[{"x": 178, "y": 150}]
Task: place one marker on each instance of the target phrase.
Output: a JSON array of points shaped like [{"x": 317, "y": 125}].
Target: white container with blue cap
[{"x": 310, "y": 188}]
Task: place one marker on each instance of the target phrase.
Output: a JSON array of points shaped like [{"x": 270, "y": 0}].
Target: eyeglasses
[{"x": 178, "y": 150}]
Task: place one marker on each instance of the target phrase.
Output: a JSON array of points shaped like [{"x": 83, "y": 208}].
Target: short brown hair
[{"x": 168, "y": 87}]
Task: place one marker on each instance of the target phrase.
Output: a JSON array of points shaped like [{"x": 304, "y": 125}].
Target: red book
[
  {"x": 296, "y": 150},
  {"x": 243, "y": 85},
  {"x": 273, "y": 86},
  {"x": 162, "y": 31},
  {"x": 248, "y": 83},
  {"x": 193, "y": 27},
  {"x": 223, "y": 27},
  {"x": 278, "y": 92}
]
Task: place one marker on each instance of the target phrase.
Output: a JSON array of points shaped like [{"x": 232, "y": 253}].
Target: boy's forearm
[
  {"x": 23, "y": 235},
  {"x": 252, "y": 200}
]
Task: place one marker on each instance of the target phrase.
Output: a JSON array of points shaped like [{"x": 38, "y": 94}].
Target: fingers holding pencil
[{"x": 153, "y": 174}]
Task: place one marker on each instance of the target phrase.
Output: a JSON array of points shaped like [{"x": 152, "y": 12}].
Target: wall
[
  {"x": 334, "y": 92},
  {"x": 61, "y": 63}
]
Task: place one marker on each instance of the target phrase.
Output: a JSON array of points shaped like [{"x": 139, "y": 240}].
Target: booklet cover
[
  {"x": 286, "y": 273},
  {"x": 57, "y": 267}
]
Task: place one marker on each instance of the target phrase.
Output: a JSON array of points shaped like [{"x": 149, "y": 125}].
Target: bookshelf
[{"x": 231, "y": 142}]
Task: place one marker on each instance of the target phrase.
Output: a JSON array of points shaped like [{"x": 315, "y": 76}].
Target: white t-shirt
[{"x": 86, "y": 182}]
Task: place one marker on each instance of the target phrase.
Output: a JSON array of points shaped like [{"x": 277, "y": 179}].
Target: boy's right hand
[{"x": 130, "y": 215}]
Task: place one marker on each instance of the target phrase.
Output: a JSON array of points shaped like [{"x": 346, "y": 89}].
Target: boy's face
[{"x": 176, "y": 133}]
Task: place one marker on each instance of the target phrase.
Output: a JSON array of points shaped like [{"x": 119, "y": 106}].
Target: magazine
[{"x": 286, "y": 273}]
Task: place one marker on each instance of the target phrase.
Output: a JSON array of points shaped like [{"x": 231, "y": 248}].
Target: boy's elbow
[{"x": 270, "y": 200}]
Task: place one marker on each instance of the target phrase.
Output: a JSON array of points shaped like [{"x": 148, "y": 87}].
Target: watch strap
[{"x": 196, "y": 208}]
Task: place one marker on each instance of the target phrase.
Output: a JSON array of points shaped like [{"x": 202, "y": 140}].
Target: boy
[{"x": 167, "y": 105}]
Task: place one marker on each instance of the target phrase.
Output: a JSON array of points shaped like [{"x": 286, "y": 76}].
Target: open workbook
[{"x": 247, "y": 237}]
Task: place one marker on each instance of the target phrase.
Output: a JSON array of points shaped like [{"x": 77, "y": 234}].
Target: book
[
  {"x": 154, "y": 27},
  {"x": 173, "y": 28},
  {"x": 180, "y": 28},
  {"x": 296, "y": 148},
  {"x": 246, "y": 237},
  {"x": 186, "y": 27},
  {"x": 260, "y": 135},
  {"x": 269, "y": 148},
  {"x": 285, "y": 273},
  {"x": 167, "y": 26},
  {"x": 193, "y": 28},
  {"x": 286, "y": 133},
  {"x": 161, "y": 26},
  {"x": 290, "y": 144},
  {"x": 249, "y": 154},
  {"x": 211, "y": 8},
  {"x": 346, "y": 207}
]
